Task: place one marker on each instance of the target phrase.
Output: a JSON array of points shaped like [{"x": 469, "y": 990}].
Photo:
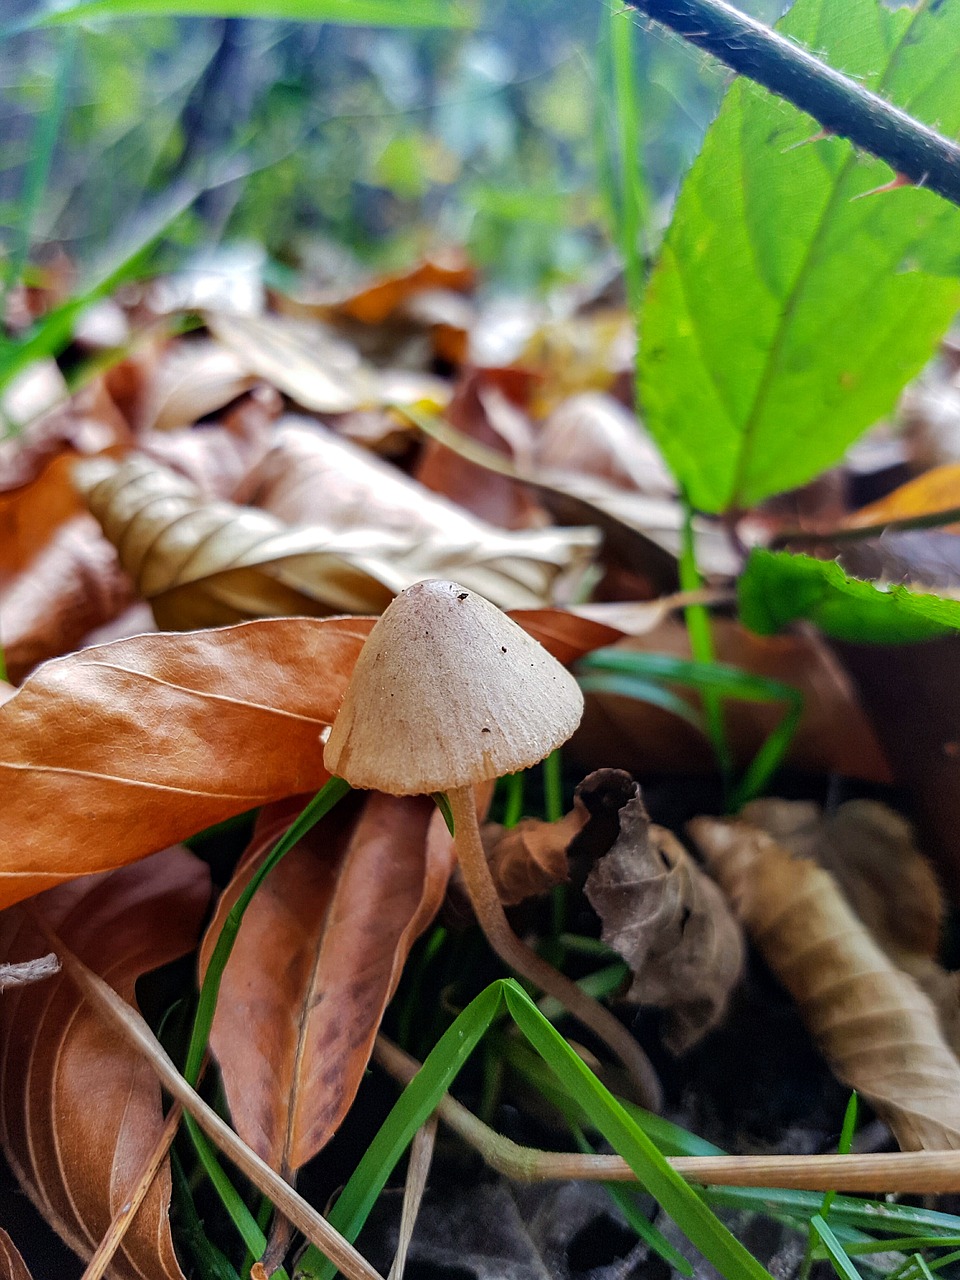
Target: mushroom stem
[{"x": 493, "y": 921}]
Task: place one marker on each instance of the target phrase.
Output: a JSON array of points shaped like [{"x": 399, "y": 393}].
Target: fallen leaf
[
  {"x": 662, "y": 914},
  {"x": 81, "y": 1111},
  {"x": 116, "y": 751},
  {"x": 203, "y": 564},
  {"x": 194, "y": 378},
  {"x": 378, "y": 300},
  {"x": 482, "y": 413},
  {"x": 310, "y": 363},
  {"x": 73, "y": 585},
  {"x": 871, "y": 852},
  {"x": 876, "y": 1028},
  {"x": 594, "y": 434},
  {"x": 316, "y": 961},
  {"x": 31, "y": 513},
  {"x": 531, "y": 857},
  {"x": 936, "y": 490},
  {"x": 313, "y": 476},
  {"x": 12, "y": 1266}
]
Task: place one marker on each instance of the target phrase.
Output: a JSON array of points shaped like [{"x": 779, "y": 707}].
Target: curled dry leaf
[
  {"x": 71, "y": 587},
  {"x": 531, "y": 857},
  {"x": 316, "y": 961},
  {"x": 110, "y": 753},
  {"x": 314, "y": 476},
  {"x": 877, "y": 1029},
  {"x": 872, "y": 853},
  {"x": 12, "y": 1266},
  {"x": 192, "y": 379},
  {"x": 80, "y": 1110},
  {"x": 202, "y": 563},
  {"x": 32, "y": 512},
  {"x": 668, "y": 920}
]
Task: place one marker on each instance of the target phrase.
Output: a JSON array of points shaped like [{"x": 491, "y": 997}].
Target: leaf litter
[{"x": 332, "y": 508}]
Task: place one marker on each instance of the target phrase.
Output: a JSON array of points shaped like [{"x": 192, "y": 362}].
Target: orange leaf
[
  {"x": 317, "y": 959},
  {"x": 114, "y": 752},
  {"x": 935, "y": 490},
  {"x": 80, "y": 1111}
]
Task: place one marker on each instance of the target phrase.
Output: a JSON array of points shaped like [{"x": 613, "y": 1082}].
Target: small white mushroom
[{"x": 447, "y": 693}]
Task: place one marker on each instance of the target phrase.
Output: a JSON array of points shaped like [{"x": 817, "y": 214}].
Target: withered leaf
[
  {"x": 118, "y": 750},
  {"x": 205, "y": 563},
  {"x": 73, "y": 585},
  {"x": 12, "y": 1266},
  {"x": 594, "y": 434},
  {"x": 531, "y": 857},
  {"x": 314, "y": 476},
  {"x": 80, "y": 1111},
  {"x": 877, "y": 1029},
  {"x": 668, "y": 920},
  {"x": 317, "y": 959}
]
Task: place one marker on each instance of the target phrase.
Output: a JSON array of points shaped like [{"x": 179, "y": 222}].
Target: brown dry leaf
[
  {"x": 593, "y": 434},
  {"x": 834, "y": 735},
  {"x": 875, "y": 1026},
  {"x": 194, "y": 377},
  {"x": 484, "y": 413},
  {"x": 308, "y": 362},
  {"x": 72, "y": 586},
  {"x": 936, "y": 490},
  {"x": 12, "y": 1266},
  {"x": 531, "y": 857},
  {"x": 585, "y": 352},
  {"x": 114, "y": 752},
  {"x": 317, "y": 959},
  {"x": 80, "y": 1110},
  {"x": 668, "y": 920},
  {"x": 204, "y": 564},
  {"x": 31, "y": 513},
  {"x": 313, "y": 476},
  {"x": 376, "y": 302},
  {"x": 871, "y": 852}
]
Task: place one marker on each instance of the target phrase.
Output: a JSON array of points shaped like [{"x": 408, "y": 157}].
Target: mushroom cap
[{"x": 448, "y": 692}]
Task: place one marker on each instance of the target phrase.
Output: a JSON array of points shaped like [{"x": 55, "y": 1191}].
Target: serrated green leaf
[
  {"x": 784, "y": 314},
  {"x": 777, "y": 588}
]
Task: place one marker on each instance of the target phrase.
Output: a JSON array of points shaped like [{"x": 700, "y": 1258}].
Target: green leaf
[
  {"x": 784, "y": 314},
  {"x": 381, "y": 13},
  {"x": 776, "y": 588}
]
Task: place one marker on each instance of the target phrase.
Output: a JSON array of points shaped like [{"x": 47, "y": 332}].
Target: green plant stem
[
  {"x": 842, "y": 106},
  {"x": 700, "y": 634}
]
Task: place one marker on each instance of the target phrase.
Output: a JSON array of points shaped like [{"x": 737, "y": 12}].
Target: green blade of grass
[
  {"x": 835, "y": 1250},
  {"x": 382, "y": 13},
  {"x": 694, "y": 1218}
]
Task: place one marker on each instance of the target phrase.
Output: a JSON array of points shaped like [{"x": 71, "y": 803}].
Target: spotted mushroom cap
[{"x": 448, "y": 692}]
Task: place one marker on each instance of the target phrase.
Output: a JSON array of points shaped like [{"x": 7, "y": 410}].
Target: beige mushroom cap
[{"x": 448, "y": 692}]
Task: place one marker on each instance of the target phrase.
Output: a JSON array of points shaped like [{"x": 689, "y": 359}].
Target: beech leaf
[
  {"x": 318, "y": 956},
  {"x": 80, "y": 1111},
  {"x": 876, "y": 1028},
  {"x": 668, "y": 920},
  {"x": 116, "y": 751}
]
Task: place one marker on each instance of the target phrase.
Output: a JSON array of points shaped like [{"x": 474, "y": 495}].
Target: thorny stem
[
  {"x": 892, "y": 1172},
  {"x": 841, "y": 105},
  {"x": 519, "y": 957}
]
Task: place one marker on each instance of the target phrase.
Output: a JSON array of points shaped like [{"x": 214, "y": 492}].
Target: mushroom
[{"x": 447, "y": 693}]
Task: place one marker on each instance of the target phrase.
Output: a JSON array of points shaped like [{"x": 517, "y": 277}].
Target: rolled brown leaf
[{"x": 875, "y": 1026}]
